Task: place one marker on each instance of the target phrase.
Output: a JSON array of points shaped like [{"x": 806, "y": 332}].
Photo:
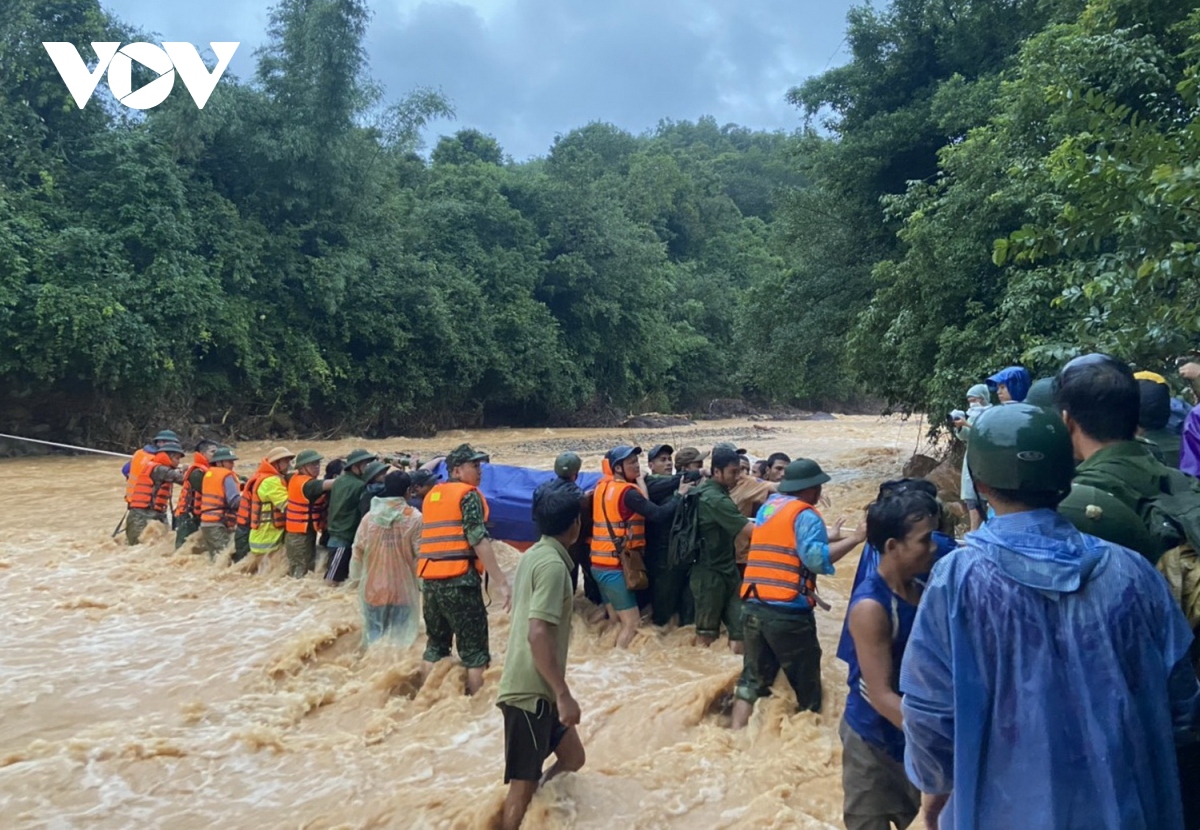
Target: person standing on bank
[
  {"x": 220, "y": 497},
  {"x": 455, "y": 553},
  {"x": 540, "y": 714},
  {"x": 307, "y": 509},
  {"x": 345, "y": 515},
  {"x": 152, "y": 490},
  {"x": 187, "y": 512},
  {"x": 788, "y": 549}
]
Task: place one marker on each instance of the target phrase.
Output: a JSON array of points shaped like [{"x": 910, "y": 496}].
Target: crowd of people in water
[{"x": 1039, "y": 671}]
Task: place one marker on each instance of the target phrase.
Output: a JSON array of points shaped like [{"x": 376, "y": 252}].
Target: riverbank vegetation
[{"x": 982, "y": 183}]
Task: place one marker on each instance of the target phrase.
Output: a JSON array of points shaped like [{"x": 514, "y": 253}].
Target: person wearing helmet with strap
[
  {"x": 1047, "y": 673},
  {"x": 307, "y": 503},
  {"x": 789, "y": 547},
  {"x": 620, "y": 509},
  {"x": 133, "y": 467},
  {"x": 152, "y": 490},
  {"x": 566, "y": 475},
  {"x": 455, "y": 552},
  {"x": 220, "y": 497},
  {"x": 187, "y": 512},
  {"x": 268, "y": 504},
  {"x": 345, "y": 513}
]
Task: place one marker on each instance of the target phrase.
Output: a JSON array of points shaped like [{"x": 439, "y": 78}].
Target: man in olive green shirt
[
  {"x": 345, "y": 514},
  {"x": 540, "y": 715},
  {"x": 1099, "y": 400},
  {"x": 715, "y": 577}
]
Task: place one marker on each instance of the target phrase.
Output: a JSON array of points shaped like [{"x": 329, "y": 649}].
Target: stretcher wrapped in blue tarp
[{"x": 509, "y": 494}]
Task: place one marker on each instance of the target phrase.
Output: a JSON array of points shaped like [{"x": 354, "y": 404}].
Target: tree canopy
[
  {"x": 982, "y": 183},
  {"x": 290, "y": 249}
]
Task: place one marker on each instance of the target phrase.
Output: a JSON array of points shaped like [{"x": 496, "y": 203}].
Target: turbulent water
[{"x": 145, "y": 687}]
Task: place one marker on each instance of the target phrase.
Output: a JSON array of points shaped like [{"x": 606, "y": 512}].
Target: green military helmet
[
  {"x": 802, "y": 474},
  {"x": 307, "y": 457},
  {"x": 374, "y": 470},
  {"x": 358, "y": 457},
  {"x": 464, "y": 454},
  {"x": 567, "y": 463},
  {"x": 172, "y": 448},
  {"x": 1099, "y": 513},
  {"x": 168, "y": 436},
  {"x": 1041, "y": 393},
  {"x": 223, "y": 454},
  {"x": 1023, "y": 448}
]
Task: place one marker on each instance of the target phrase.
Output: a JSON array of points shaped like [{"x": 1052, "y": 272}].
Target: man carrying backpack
[{"x": 1099, "y": 400}]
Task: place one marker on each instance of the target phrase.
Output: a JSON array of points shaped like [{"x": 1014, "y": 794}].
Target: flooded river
[{"x": 140, "y": 687}]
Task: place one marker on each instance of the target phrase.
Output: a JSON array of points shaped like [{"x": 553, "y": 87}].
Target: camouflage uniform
[
  {"x": 139, "y": 518},
  {"x": 453, "y": 608},
  {"x": 217, "y": 538}
]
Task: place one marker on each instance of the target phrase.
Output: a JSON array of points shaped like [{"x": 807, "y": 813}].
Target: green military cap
[
  {"x": 171, "y": 448},
  {"x": 802, "y": 474},
  {"x": 464, "y": 454},
  {"x": 374, "y": 470},
  {"x": 167, "y": 435},
  {"x": 359, "y": 456},
  {"x": 729, "y": 445},
  {"x": 567, "y": 463},
  {"x": 224, "y": 454},
  {"x": 307, "y": 457},
  {"x": 1099, "y": 513},
  {"x": 1023, "y": 448},
  {"x": 1041, "y": 393}
]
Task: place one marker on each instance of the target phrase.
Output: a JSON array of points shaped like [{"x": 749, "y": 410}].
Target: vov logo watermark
[{"x": 117, "y": 60}]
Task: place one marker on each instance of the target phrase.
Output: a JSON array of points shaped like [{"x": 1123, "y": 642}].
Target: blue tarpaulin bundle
[{"x": 509, "y": 494}]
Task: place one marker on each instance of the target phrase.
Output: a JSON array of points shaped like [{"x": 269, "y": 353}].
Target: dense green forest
[{"x": 982, "y": 183}]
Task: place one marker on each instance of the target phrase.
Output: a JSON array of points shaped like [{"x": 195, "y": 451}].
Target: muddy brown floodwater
[{"x": 147, "y": 688}]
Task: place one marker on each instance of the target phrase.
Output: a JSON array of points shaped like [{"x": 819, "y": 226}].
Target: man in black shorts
[{"x": 539, "y": 712}]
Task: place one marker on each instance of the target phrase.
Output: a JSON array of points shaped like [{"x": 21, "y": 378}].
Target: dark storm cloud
[{"x": 524, "y": 70}]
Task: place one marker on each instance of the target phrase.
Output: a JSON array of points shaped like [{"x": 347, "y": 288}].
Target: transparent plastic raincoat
[{"x": 384, "y": 565}]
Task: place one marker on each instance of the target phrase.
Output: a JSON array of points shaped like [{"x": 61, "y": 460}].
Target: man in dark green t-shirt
[
  {"x": 344, "y": 513},
  {"x": 715, "y": 578}
]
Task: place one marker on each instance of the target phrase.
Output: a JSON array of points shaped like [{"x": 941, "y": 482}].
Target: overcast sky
[{"x": 526, "y": 70}]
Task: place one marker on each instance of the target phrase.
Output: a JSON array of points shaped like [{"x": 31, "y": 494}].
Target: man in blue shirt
[
  {"x": 1046, "y": 682},
  {"x": 788, "y": 548},
  {"x": 877, "y": 794}
]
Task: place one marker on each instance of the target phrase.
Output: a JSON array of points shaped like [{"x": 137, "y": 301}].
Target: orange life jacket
[
  {"x": 213, "y": 507},
  {"x": 189, "y": 499},
  {"x": 147, "y": 495},
  {"x": 303, "y": 515},
  {"x": 445, "y": 551},
  {"x": 774, "y": 571},
  {"x": 135, "y": 469},
  {"x": 250, "y": 509},
  {"x": 606, "y": 512}
]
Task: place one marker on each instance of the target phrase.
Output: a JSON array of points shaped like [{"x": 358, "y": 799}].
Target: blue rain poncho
[{"x": 1046, "y": 682}]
